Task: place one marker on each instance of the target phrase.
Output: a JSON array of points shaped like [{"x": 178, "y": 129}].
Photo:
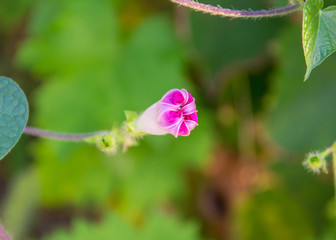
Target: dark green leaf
[
  {"x": 13, "y": 114},
  {"x": 319, "y": 33}
]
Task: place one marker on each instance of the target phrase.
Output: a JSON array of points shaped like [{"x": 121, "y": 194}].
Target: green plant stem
[
  {"x": 224, "y": 12},
  {"x": 3, "y": 235},
  {"x": 334, "y": 168},
  {"x": 62, "y": 136},
  {"x": 326, "y": 152}
]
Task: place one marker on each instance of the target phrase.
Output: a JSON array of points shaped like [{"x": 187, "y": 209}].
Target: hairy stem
[
  {"x": 3, "y": 235},
  {"x": 206, "y": 8},
  {"x": 326, "y": 152},
  {"x": 334, "y": 167},
  {"x": 62, "y": 136}
]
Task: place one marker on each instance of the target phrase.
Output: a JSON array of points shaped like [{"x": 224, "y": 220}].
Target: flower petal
[
  {"x": 191, "y": 117},
  {"x": 174, "y": 97},
  {"x": 147, "y": 122},
  {"x": 184, "y": 129},
  {"x": 163, "y": 107},
  {"x": 190, "y": 124},
  {"x": 189, "y": 108},
  {"x": 175, "y": 113},
  {"x": 174, "y": 129},
  {"x": 170, "y": 118},
  {"x": 187, "y": 96}
]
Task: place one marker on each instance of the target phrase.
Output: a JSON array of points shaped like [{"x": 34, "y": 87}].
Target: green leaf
[
  {"x": 13, "y": 114},
  {"x": 319, "y": 33}
]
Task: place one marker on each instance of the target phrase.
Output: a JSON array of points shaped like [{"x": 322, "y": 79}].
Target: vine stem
[
  {"x": 225, "y": 12},
  {"x": 3, "y": 235},
  {"x": 334, "y": 168},
  {"x": 326, "y": 152},
  {"x": 62, "y": 136}
]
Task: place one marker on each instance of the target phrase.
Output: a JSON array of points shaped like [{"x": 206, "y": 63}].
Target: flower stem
[
  {"x": 206, "y": 8},
  {"x": 3, "y": 235},
  {"x": 326, "y": 152},
  {"x": 62, "y": 136},
  {"x": 334, "y": 168}
]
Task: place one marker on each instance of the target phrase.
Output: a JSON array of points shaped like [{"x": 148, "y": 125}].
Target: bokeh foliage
[
  {"x": 109, "y": 77},
  {"x": 82, "y": 63},
  {"x": 115, "y": 227}
]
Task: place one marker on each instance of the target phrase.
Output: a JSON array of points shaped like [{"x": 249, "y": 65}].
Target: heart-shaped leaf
[
  {"x": 13, "y": 114},
  {"x": 319, "y": 33}
]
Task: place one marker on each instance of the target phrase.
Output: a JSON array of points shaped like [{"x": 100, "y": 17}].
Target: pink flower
[{"x": 175, "y": 113}]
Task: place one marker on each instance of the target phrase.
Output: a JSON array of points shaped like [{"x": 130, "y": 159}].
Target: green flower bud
[
  {"x": 107, "y": 143},
  {"x": 315, "y": 162}
]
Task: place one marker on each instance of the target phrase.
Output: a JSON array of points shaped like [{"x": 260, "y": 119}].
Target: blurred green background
[{"x": 237, "y": 176}]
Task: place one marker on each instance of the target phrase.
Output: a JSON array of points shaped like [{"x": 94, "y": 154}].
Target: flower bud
[
  {"x": 175, "y": 113},
  {"x": 315, "y": 162},
  {"x": 107, "y": 143}
]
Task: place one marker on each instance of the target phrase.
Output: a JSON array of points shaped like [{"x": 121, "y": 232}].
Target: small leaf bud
[{"x": 130, "y": 124}]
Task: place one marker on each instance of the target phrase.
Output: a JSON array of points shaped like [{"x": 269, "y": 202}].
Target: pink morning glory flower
[{"x": 175, "y": 113}]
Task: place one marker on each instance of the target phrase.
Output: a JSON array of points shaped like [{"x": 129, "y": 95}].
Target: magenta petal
[
  {"x": 189, "y": 109},
  {"x": 174, "y": 97},
  {"x": 177, "y": 112},
  {"x": 191, "y": 117},
  {"x": 184, "y": 130},
  {"x": 178, "y": 98},
  {"x": 163, "y": 107},
  {"x": 190, "y": 99},
  {"x": 169, "y": 118},
  {"x": 190, "y": 124},
  {"x": 174, "y": 129},
  {"x": 185, "y": 96}
]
